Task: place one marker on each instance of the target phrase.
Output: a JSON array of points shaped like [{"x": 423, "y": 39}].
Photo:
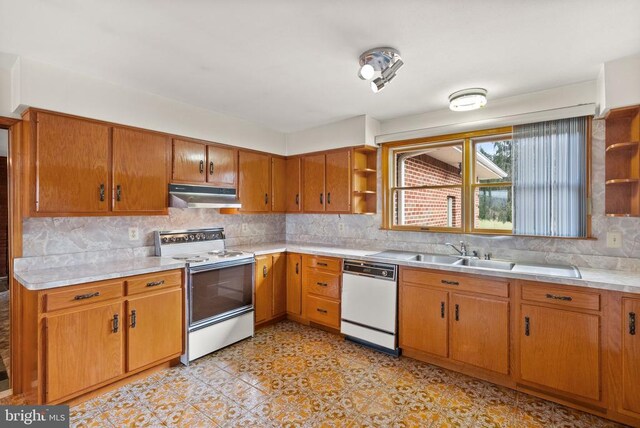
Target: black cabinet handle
[
  {"x": 201, "y": 166},
  {"x": 556, "y": 297},
  {"x": 457, "y": 312},
  {"x": 441, "y": 309},
  {"x": 445, "y": 281},
  {"x": 266, "y": 198},
  {"x": 329, "y": 198},
  {"x": 322, "y": 284},
  {"x": 210, "y": 168},
  {"x": 324, "y": 311},
  {"x": 632, "y": 323},
  {"x": 155, "y": 283},
  {"x": 116, "y": 323},
  {"x": 297, "y": 265},
  {"x": 118, "y": 193},
  {"x": 86, "y": 296},
  {"x": 101, "y": 192},
  {"x": 527, "y": 327},
  {"x": 264, "y": 271},
  {"x": 321, "y": 199},
  {"x": 321, "y": 264},
  {"x": 297, "y": 199},
  {"x": 133, "y": 318}
]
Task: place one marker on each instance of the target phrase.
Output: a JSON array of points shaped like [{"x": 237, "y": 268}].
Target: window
[{"x": 526, "y": 180}]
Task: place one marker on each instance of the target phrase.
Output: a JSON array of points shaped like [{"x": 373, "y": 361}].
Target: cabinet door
[
  {"x": 631, "y": 355},
  {"x": 264, "y": 288},
  {"x": 279, "y": 284},
  {"x": 189, "y": 161},
  {"x": 156, "y": 326},
  {"x": 293, "y": 186},
  {"x": 560, "y": 349},
  {"x": 338, "y": 173},
  {"x": 83, "y": 349},
  {"x": 278, "y": 185},
  {"x": 72, "y": 165},
  {"x": 140, "y": 161},
  {"x": 313, "y": 193},
  {"x": 294, "y": 284},
  {"x": 222, "y": 167},
  {"x": 254, "y": 181},
  {"x": 424, "y": 319},
  {"x": 480, "y": 332}
]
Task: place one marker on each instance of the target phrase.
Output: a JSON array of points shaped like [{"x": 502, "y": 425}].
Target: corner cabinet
[
  {"x": 270, "y": 287},
  {"x": 81, "y": 167},
  {"x": 89, "y": 335}
]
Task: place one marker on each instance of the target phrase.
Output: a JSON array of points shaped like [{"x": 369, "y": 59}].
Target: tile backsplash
[{"x": 76, "y": 240}]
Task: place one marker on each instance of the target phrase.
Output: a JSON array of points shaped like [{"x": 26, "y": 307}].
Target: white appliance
[
  {"x": 219, "y": 304},
  {"x": 369, "y": 304}
]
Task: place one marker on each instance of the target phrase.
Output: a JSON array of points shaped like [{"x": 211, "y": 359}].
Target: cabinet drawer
[
  {"x": 323, "y": 311},
  {"x": 322, "y": 283},
  {"x": 326, "y": 263},
  {"x": 491, "y": 286},
  {"x": 560, "y": 296},
  {"x": 143, "y": 283},
  {"x": 82, "y": 295}
]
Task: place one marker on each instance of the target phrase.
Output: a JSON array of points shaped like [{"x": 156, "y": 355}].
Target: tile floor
[{"x": 291, "y": 375}]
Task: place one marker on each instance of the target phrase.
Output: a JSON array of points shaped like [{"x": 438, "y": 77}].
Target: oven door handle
[{"x": 221, "y": 265}]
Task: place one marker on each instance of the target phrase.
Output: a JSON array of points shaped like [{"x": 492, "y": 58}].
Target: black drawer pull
[
  {"x": 86, "y": 296},
  {"x": 527, "y": 328},
  {"x": 322, "y": 284},
  {"x": 445, "y": 281},
  {"x": 155, "y": 283},
  {"x": 322, "y": 264},
  {"x": 556, "y": 297},
  {"x": 116, "y": 323},
  {"x": 441, "y": 309},
  {"x": 632, "y": 323},
  {"x": 323, "y": 311},
  {"x": 133, "y": 318}
]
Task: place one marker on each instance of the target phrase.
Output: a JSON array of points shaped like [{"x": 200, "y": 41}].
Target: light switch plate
[
  {"x": 133, "y": 234},
  {"x": 614, "y": 240}
]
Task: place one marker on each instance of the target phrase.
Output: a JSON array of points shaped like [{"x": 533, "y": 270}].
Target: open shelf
[
  {"x": 365, "y": 180},
  {"x": 622, "y": 162},
  {"x": 364, "y": 192},
  {"x": 365, "y": 171}
]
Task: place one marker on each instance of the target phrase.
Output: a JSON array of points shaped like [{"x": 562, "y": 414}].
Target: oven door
[{"x": 219, "y": 292}]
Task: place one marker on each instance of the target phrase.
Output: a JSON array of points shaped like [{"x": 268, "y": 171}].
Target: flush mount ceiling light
[
  {"x": 468, "y": 99},
  {"x": 383, "y": 61}
]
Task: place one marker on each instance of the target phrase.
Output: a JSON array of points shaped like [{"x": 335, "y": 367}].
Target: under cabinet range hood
[{"x": 186, "y": 196}]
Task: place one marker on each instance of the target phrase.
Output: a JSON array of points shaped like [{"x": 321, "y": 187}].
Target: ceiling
[{"x": 291, "y": 65}]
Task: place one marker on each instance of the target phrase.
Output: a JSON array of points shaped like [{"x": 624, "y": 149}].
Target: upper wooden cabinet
[
  {"x": 222, "y": 166},
  {"x": 327, "y": 182},
  {"x": 254, "y": 181},
  {"x": 278, "y": 184},
  {"x": 85, "y": 167},
  {"x": 71, "y": 162},
  {"x": 293, "y": 194},
  {"x": 140, "y": 171},
  {"x": 313, "y": 168},
  {"x": 189, "y": 159}
]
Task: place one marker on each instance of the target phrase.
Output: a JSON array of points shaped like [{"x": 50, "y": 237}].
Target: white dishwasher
[{"x": 369, "y": 304}]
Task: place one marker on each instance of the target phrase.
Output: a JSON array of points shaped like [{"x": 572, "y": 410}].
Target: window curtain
[{"x": 550, "y": 178}]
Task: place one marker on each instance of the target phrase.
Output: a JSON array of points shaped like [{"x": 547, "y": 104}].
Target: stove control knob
[
  {"x": 173, "y": 239},
  {"x": 384, "y": 273},
  {"x": 192, "y": 237}
]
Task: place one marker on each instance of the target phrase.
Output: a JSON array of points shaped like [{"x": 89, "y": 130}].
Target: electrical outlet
[
  {"x": 244, "y": 228},
  {"x": 133, "y": 234},
  {"x": 340, "y": 227},
  {"x": 614, "y": 240}
]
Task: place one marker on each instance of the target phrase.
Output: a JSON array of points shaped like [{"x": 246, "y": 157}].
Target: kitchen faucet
[{"x": 463, "y": 248}]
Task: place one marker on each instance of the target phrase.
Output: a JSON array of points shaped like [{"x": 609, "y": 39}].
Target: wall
[
  {"x": 363, "y": 232},
  {"x": 41, "y": 85},
  {"x": 619, "y": 83}
]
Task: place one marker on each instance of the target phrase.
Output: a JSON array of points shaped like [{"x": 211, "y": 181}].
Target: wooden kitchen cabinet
[
  {"x": 189, "y": 162},
  {"x": 338, "y": 181},
  {"x": 155, "y": 326},
  {"x": 222, "y": 166},
  {"x": 71, "y": 165},
  {"x": 278, "y": 184},
  {"x": 140, "y": 171},
  {"x": 480, "y": 332},
  {"x": 313, "y": 168},
  {"x": 279, "y": 266},
  {"x": 322, "y": 285},
  {"x": 254, "y": 181},
  {"x": 83, "y": 348},
  {"x": 294, "y": 284},
  {"x": 424, "y": 319},
  {"x": 270, "y": 287},
  {"x": 293, "y": 191},
  {"x": 630, "y": 385},
  {"x": 560, "y": 349}
]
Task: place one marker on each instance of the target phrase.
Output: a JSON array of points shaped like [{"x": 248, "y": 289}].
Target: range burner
[{"x": 226, "y": 253}]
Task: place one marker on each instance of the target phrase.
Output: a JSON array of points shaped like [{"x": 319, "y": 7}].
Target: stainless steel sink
[
  {"x": 436, "y": 258},
  {"x": 566, "y": 271},
  {"x": 416, "y": 257},
  {"x": 487, "y": 264}
]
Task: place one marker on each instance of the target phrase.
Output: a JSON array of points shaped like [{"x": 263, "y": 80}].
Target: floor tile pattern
[{"x": 290, "y": 375}]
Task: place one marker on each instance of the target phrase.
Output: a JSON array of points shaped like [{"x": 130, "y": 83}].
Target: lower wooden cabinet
[
  {"x": 294, "y": 284},
  {"x": 630, "y": 385},
  {"x": 270, "y": 287},
  {"x": 83, "y": 348},
  {"x": 97, "y": 333},
  {"x": 321, "y": 285},
  {"x": 424, "y": 319}
]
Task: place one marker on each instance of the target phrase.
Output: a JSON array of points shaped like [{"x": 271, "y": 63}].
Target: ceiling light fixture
[
  {"x": 386, "y": 61},
  {"x": 468, "y": 99}
]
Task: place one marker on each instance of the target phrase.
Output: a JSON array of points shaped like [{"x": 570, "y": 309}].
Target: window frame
[{"x": 389, "y": 172}]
